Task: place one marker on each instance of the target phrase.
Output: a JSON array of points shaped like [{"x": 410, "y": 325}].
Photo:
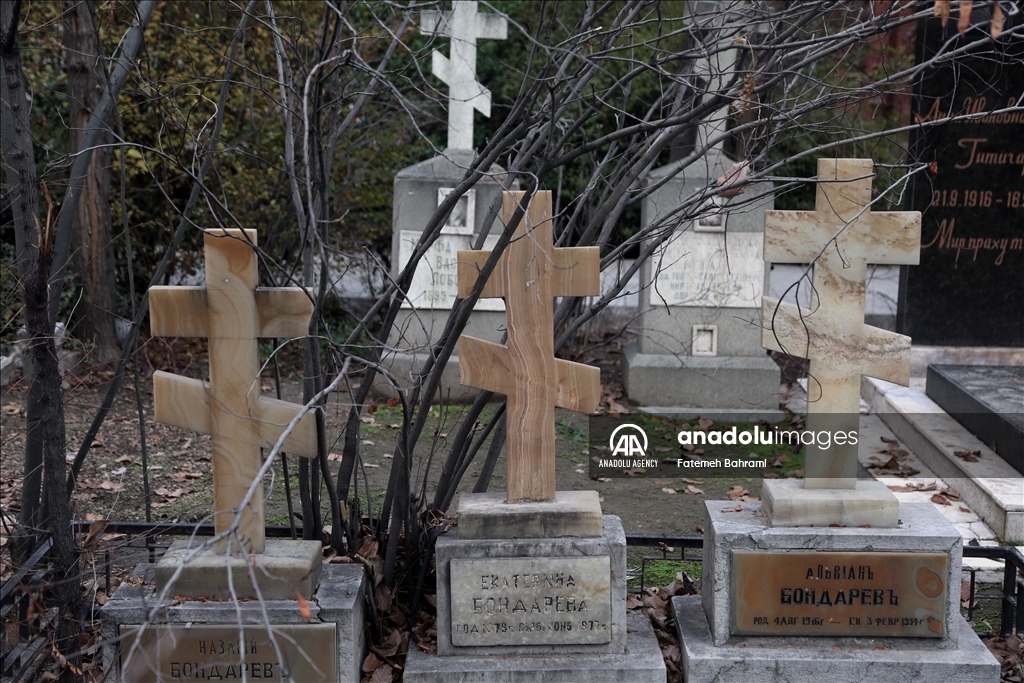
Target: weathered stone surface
[
  {"x": 846, "y": 660},
  {"x": 839, "y": 594},
  {"x": 338, "y": 601},
  {"x": 788, "y": 503},
  {"x": 639, "y": 662},
  {"x": 531, "y": 601},
  {"x": 726, "y": 383},
  {"x": 200, "y": 651},
  {"x": 488, "y": 515},
  {"x": 990, "y": 487},
  {"x": 922, "y": 529},
  {"x": 611, "y": 546},
  {"x": 282, "y": 569}
]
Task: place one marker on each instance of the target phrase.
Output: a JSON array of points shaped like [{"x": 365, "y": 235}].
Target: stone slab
[
  {"x": 531, "y": 601},
  {"x": 783, "y": 660},
  {"x": 788, "y": 504},
  {"x": 990, "y": 486},
  {"x": 696, "y": 382},
  {"x": 285, "y": 567},
  {"x": 339, "y": 600},
  {"x": 987, "y": 400},
  {"x": 640, "y": 662},
  {"x": 838, "y": 594},
  {"x": 571, "y": 513},
  {"x": 155, "y": 654},
  {"x": 612, "y": 545},
  {"x": 922, "y": 529}
]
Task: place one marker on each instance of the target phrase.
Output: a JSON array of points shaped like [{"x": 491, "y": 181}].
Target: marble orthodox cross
[
  {"x": 840, "y": 237},
  {"x": 463, "y": 25},
  {"x": 528, "y": 276},
  {"x": 232, "y": 312}
]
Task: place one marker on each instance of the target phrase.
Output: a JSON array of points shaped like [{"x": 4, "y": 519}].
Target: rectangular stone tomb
[
  {"x": 530, "y": 600},
  {"x": 839, "y": 594},
  {"x": 164, "y": 653},
  {"x": 987, "y": 400}
]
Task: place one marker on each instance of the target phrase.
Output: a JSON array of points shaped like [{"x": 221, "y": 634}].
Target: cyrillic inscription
[
  {"x": 849, "y": 594},
  {"x": 526, "y": 600},
  {"x": 163, "y": 654}
]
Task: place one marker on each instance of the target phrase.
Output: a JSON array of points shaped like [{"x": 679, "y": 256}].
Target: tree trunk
[
  {"x": 93, "y": 256},
  {"x": 34, "y": 242}
]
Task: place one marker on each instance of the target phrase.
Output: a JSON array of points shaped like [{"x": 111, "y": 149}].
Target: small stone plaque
[
  {"x": 531, "y": 601},
  {"x": 202, "y": 652},
  {"x": 839, "y": 594},
  {"x": 435, "y": 283},
  {"x": 712, "y": 269}
]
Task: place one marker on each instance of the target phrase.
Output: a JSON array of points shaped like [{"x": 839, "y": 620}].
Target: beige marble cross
[
  {"x": 233, "y": 313},
  {"x": 528, "y": 276},
  {"x": 832, "y": 334}
]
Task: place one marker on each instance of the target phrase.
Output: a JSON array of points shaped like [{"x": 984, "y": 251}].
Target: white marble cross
[
  {"x": 463, "y": 25},
  {"x": 832, "y": 333},
  {"x": 233, "y": 313}
]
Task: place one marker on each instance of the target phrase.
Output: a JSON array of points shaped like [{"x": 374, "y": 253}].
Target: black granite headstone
[
  {"x": 968, "y": 289},
  {"x": 988, "y": 400}
]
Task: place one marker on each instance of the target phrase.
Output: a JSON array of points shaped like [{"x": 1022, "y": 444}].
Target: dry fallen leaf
[
  {"x": 382, "y": 674},
  {"x": 668, "y": 490},
  {"x": 940, "y": 499},
  {"x": 694, "y": 490},
  {"x": 304, "y": 610},
  {"x": 964, "y": 22},
  {"x": 738, "y": 508}
]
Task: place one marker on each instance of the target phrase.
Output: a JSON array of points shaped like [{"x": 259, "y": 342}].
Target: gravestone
[
  {"x": 988, "y": 401},
  {"x": 698, "y": 346},
  {"x": 830, "y": 578},
  {"x": 420, "y": 189},
  {"x": 968, "y": 290},
  {"x": 181, "y": 618},
  {"x": 531, "y": 584}
]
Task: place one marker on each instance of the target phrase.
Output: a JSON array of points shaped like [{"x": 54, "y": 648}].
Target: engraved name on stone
[
  {"x": 839, "y": 593},
  {"x": 531, "y": 601},
  {"x": 435, "y": 283},
  {"x": 712, "y": 269},
  {"x": 202, "y": 652}
]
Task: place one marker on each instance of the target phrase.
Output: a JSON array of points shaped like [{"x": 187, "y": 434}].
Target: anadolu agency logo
[{"x": 628, "y": 441}]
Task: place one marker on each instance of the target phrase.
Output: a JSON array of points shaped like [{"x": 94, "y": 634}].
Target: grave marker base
[
  {"x": 337, "y": 603},
  {"x": 713, "y": 652},
  {"x": 284, "y": 568},
  {"x": 788, "y": 504}
]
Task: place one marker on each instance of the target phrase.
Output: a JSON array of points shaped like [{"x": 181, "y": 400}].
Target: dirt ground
[{"x": 110, "y": 485}]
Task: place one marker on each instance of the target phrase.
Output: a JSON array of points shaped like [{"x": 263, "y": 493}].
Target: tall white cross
[
  {"x": 463, "y": 25},
  {"x": 832, "y": 334}
]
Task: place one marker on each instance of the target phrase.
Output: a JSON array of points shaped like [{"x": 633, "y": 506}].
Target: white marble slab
[
  {"x": 714, "y": 270},
  {"x": 435, "y": 284}
]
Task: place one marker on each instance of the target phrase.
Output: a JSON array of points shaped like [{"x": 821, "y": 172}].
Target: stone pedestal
[
  {"x": 417, "y": 193},
  {"x": 196, "y": 639},
  {"x": 698, "y": 344},
  {"x": 786, "y": 503},
  {"x": 536, "y": 609},
  {"x": 836, "y": 604}
]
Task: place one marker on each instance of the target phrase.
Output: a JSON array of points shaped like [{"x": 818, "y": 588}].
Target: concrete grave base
[
  {"x": 488, "y": 515},
  {"x": 738, "y": 385},
  {"x": 922, "y": 529},
  {"x": 782, "y": 660},
  {"x": 640, "y": 662},
  {"x": 285, "y": 567},
  {"x": 788, "y": 503},
  {"x": 337, "y": 602},
  {"x": 612, "y": 544}
]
